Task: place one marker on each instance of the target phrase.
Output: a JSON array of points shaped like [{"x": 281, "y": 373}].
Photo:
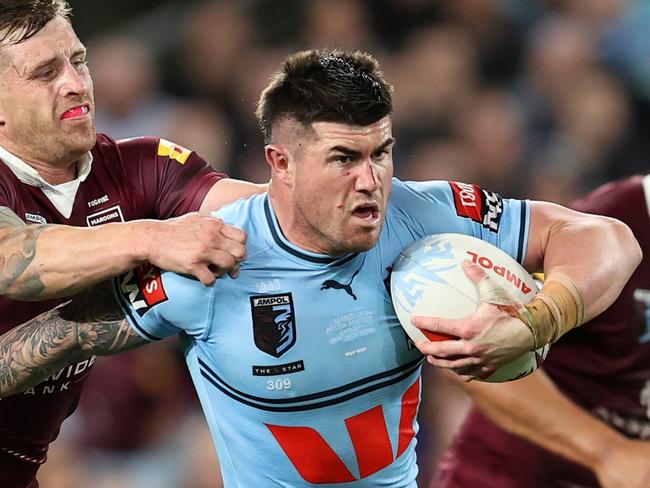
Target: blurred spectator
[
  {"x": 625, "y": 45},
  {"x": 494, "y": 35},
  {"x": 438, "y": 160},
  {"x": 128, "y": 98},
  {"x": 559, "y": 52},
  {"x": 214, "y": 37},
  {"x": 202, "y": 127},
  {"x": 494, "y": 134},
  {"x": 435, "y": 75},
  {"x": 338, "y": 23}
]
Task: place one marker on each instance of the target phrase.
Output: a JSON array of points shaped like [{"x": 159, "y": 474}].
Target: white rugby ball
[{"x": 428, "y": 279}]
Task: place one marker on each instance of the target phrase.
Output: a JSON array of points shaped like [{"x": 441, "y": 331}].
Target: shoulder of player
[
  {"x": 408, "y": 196},
  {"x": 623, "y": 199},
  {"x": 106, "y": 143},
  {"x": 147, "y": 147},
  {"x": 431, "y": 190},
  {"x": 245, "y": 213}
]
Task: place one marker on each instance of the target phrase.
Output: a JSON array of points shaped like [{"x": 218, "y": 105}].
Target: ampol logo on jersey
[{"x": 274, "y": 326}]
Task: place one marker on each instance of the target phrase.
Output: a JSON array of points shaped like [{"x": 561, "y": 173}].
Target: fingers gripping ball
[{"x": 428, "y": 279}]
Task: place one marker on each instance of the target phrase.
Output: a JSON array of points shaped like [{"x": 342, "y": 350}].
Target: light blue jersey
[{"x": 303, "y": 371}]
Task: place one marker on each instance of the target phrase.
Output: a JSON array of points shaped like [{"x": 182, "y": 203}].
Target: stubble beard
[{"x": 67, "y": 148}]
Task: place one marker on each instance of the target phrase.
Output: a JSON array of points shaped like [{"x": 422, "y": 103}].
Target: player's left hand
[{"x": 487, "y": 339}]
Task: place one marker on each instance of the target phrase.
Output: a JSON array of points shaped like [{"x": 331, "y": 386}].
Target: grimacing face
[
  {"x": 341, "y": 185},
  {"x": 46, "y": 97}
]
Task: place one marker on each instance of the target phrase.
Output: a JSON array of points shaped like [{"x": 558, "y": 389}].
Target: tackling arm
[
  {"x": 227, "y": 191},
  {"x": 535, "y": 409},
  {"x": 46, "y": 261},
  {"x": 91, "y": 323}
]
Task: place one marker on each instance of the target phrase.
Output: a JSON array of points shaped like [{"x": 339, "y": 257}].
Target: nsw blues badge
[{"x": 274, "y": 324}]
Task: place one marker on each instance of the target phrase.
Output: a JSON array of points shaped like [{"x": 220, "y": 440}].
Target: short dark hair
[
  {"x": 21, "y": 19},
  {"x": 325, "y": 86}
]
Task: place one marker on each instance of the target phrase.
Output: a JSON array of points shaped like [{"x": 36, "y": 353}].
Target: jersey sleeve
[
  {"x": 175, "y": 179},
  {"x": 623, "y": 199},
  {"x": 433, "y": 207},
  {"x": 159, "y": 304}
]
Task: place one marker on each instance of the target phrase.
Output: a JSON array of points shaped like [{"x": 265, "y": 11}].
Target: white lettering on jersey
[
  {"x": 130, "y": 289},
  {"x": 112, "y": 214},
  {"x": 98, "y": 201},
  {"x": 35, "y": 218}
]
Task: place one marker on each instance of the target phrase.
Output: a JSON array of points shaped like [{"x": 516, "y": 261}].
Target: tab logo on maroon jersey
[
  {"x": 481, "y": 206},
  {"x": 173, "y": 151},
  {"x": 143, "y": 288},
  {"x": 111, "y": 214}
]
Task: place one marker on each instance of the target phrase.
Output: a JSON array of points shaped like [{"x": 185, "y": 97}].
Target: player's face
[
  {"x": 342, "y": 184},
  {"x": 46, "y": 96}
]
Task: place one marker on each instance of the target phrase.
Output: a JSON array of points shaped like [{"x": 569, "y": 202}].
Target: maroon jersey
[
  {"x": 603, "y": 366},
  {"x": 131, "y": 179}
]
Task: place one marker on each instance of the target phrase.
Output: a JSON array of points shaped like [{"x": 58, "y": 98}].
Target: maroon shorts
[{"x": 16, "y": 473}]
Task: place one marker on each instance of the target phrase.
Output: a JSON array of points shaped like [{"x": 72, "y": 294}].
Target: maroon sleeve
[
  {"x": 173, "y": 179},
  {"x": 624, "y": 200},
  {"x": 617, "y": 199}
]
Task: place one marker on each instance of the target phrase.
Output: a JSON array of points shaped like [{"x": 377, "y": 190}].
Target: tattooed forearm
[
  {"x": 101, "y": 326},
  {"x": 17, "y": 251},
  {"x": 32, "y": 352},
  {"x": 90, "y": 324}
]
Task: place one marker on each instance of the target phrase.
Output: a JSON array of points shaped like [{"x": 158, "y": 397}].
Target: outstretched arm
[
  {"x": 535, "y": 409},
  {"x": 46, "y": 261},
  {"x": 91, "y": 323}
]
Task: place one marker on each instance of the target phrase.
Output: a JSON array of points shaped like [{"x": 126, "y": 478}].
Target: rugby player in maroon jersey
[
  {"x": 54, "y": 169},
  {"x": 584, "y": 419}
]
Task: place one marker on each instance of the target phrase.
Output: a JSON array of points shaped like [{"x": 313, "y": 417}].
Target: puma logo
[{"x": 327, "y": 284}]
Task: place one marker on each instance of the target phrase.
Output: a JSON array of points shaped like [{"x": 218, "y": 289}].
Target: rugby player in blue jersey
[{"x": 303, "y": 371}]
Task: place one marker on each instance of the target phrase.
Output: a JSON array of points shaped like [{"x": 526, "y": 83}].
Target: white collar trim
[
  {"x": 62, "y": 196},
  {"x": 25, "y": 173}
]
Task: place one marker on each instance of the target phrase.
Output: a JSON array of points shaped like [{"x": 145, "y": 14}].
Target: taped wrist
[{"x": 554, "y": 311}]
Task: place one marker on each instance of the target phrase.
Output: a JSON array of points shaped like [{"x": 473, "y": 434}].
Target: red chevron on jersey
[{"x": 318, "y": 463}]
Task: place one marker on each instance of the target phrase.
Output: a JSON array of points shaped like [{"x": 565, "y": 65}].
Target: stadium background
[{"x": 529, "y": 98}]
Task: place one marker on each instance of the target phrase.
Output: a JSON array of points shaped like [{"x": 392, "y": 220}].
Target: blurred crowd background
[{"x": 530, "y": 98}]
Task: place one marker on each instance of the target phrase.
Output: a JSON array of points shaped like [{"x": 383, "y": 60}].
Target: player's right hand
[
  {"x": 197, "y": 245},
  {"x": 487, "y": 339}
]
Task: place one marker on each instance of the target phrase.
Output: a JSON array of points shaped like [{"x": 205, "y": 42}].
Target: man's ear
[{"x": 278, "y": 157}]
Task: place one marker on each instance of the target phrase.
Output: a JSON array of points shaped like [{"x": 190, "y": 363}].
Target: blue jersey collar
[{"x": 288, "y": 247}]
